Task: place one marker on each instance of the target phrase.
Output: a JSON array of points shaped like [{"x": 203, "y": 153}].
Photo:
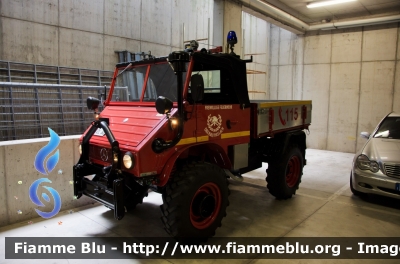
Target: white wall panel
[
  {"x": 156, "y": 21},
  {"x": 71, "y": 43},
  {"x": 317, "y": 48},
  {"x": 82, "y": 15},
  {"x": 297, "y": 82},
  {"x": 29, "y": 42},
  {"x": 349, "y": 74},
  {"x": 42, "y": 11},
  {"x": 286, "y": 49},
  {"x": 285, "y": 84},
  {"x": 316, "y": 88},
  {"x": 346, "y": 45},
  {"x": 274, "y": 45},
  {"x": 88, "y": 28},
  {"x": 123, "y": 18},
  {"x": 247, "y": 29},
  {"x": 218, "y": 23},
  {"x": 182, "y": 15},
  {"x": 379, "y": 43},
  {"x": 299, "y": 49},
  {"x": 194, "y": 16},
  {"x": 233, "y": 21},
  {"x": 203, "y": 14},
  {"x": 376, "y": 95},
  {"x": 343, "y": 106},
  {"x": 273, "y": 82},
  {"x": 256, "y": 44}
]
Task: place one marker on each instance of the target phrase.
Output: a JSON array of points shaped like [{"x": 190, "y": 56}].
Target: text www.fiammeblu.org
[{"x": 234, "y": 248}]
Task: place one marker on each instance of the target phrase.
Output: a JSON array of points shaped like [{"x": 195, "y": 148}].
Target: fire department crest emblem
[{"x": 214, "y": 126}]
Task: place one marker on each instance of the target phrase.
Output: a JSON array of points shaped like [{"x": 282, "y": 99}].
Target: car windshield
[
  {"x": 161, "y": 82},
  {"x": 389, "y": 128}
]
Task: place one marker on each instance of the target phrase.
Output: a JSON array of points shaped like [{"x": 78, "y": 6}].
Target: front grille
[
  {"x": 392, "y": 170},
  {"x": 100, "y": 153}
]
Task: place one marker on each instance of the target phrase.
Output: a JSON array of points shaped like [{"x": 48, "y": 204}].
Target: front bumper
[
  {"x": 90, "y": 180},
  {"x": 366, "y": 181},
  {"x": 103, "y": 184}
]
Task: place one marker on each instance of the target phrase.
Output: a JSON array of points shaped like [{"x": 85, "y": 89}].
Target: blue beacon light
[{"x": 231, "y": 38}]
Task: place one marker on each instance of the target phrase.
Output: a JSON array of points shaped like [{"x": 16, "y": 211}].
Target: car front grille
[
  {"x": 100, "y": 153},
  {"x": 392, "y": 170}
]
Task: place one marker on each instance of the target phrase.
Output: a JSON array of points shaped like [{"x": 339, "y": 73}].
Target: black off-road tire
[
  {"x": 284, "y": 175},
  {"x": 195, "y": 201}
]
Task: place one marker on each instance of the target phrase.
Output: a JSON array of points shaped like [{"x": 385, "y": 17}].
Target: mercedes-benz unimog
[{"x": 182, "y": 126}]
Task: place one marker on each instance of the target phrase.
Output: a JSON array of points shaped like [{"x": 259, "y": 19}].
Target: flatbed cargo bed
[{"x": 270, "y": 117}]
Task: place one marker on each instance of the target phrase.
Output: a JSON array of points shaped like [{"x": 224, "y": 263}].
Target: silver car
[{"x": 376, "y": 167}]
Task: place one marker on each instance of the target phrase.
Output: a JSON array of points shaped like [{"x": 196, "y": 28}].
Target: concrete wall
[
  {"x": 17, "y": 173},
  {"x": 352, "y": 76},
  {"x": 85, "y": 34},
  {"x": 256, "y": 34}
]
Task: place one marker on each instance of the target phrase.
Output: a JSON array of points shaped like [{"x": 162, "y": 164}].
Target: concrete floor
[{"x": 323, "y": 207}]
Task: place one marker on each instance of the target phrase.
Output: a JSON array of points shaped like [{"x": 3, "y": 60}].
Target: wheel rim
[
  {"x": 293, "y": 171},
  {"x": 205, "y": 205}
]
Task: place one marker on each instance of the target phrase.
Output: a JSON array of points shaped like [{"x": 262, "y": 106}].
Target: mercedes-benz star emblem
[{"x": 104, "y": 154}]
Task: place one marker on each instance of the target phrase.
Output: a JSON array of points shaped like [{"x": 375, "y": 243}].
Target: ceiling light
[{"x": 325, "y": 3}]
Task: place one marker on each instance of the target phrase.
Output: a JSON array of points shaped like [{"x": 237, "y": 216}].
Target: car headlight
[
  {"x": 364, "y": 163},
  {"x": 128, "y": 160}
]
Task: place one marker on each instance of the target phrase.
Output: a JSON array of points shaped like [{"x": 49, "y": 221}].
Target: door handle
[{"x": 230, "y": 123}]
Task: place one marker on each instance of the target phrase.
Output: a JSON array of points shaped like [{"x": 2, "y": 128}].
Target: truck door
[{"x": 220, "y": 118}]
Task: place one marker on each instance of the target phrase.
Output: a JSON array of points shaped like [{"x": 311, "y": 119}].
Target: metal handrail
[
  {"x": 28, "y": 109},
  {"x": 36, "y": 73}
]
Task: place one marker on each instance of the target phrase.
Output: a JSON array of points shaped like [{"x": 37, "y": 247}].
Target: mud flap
[
  {"x": 119, "y": 209},
  {"x": 77, "y": 181}
]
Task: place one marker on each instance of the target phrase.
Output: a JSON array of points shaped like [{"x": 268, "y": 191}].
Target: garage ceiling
[{"x": 359, "y": 9}]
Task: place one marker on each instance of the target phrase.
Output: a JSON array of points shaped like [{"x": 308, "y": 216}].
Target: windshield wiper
[{"x": 130, "y": 64}]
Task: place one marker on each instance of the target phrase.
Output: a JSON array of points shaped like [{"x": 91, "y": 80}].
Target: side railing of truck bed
[{"x": 275, "y": 116}]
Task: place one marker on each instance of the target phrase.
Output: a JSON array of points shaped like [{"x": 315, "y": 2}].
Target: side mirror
[
  {"x": 92, "y": 103},
  {"x": 197, "y": 87},
  {"x": 163, "y": 105},
  {"x": 365, "y": 135}
]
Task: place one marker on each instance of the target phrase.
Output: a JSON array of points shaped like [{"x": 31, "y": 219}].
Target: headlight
[
  {"x": 174, "y": 123},
  {"x": 364, "y": 163},
  {"x": 80, "y": 149},
  {"x": 128, "y": 160}
]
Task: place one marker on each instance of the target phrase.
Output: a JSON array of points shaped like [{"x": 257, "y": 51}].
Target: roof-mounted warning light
[{"x": 231, "y": 39}]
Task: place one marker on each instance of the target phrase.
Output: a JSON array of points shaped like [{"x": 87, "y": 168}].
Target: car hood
[
  {"x": 130, "y": 125},
  {"x": 383, "y": 149}
]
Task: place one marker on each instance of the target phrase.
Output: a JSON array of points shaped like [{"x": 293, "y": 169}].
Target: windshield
[
  {"x": 161, "y": 82},
  {"x": 390, "y": 128}
]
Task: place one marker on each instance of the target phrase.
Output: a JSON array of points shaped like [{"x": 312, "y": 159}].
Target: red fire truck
[{"x": 182, "y": 126}]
